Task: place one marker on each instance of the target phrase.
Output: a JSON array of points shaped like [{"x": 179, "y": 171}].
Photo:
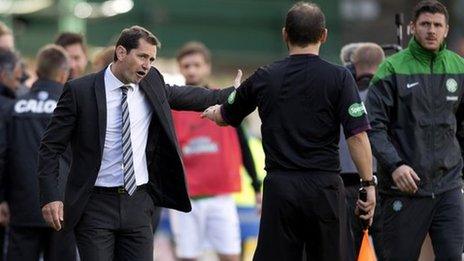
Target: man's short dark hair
[
  {"x": 67, "y": 38},
  {"x": 8, "y": 60},
  {"x": 51, "y": 59},
  {"x": 194, "y": 48},
  {"x": 429, "y": 6},
  {"x": 129, "y": 38},
  {"x": 304, "y": 24}
]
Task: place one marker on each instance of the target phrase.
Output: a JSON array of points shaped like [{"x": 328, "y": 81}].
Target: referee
[{"x": 302, "y": 100}]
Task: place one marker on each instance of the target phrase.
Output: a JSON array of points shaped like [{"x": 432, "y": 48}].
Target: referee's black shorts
[{"x": 303, "y": 212}]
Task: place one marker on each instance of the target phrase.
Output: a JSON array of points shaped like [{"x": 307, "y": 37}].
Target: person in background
[
  {"x": 212, "y": 158},
  {"x": 10, "y": 82},
  {"x": 365, "y": 59},
  {"x": 75, "y": 45},
  {"x": 6, "y": 37},
  {"x": 346, "y": 56},
  {"x": 414, "y": 103},
  {"x": 29, "y": 235}
]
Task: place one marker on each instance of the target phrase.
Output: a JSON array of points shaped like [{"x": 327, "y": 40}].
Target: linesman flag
[{"x": 366, "y": 253}]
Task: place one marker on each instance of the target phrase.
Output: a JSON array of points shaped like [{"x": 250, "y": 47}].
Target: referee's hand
[
  {"x": 406, "y": 179},
  {"x": 214, "y": 113},
  {"x": 367, "y": 206},
  {"x": 53, "y": 214}
]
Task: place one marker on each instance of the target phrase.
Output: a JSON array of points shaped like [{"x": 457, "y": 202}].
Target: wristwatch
[{"x": 367, "y": 183}]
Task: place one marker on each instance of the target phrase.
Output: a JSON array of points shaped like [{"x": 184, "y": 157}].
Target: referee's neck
[{"x": 309, "y": 49}]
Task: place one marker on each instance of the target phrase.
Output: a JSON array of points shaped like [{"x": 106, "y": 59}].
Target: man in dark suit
[{"x": 126, "y": 158}]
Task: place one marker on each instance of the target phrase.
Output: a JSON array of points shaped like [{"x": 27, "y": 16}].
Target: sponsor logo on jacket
[{"x": 35, "y": 106}]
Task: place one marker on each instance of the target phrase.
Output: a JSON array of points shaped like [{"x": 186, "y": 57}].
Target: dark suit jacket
[{"x": 80, "y": 119}]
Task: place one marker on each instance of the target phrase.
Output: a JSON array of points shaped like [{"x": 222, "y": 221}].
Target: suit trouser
[
  {"x": 407, "y": 220},
  {"x": 303, "y": 212},
  {"x": 29, "y": 243},
  {"x": 2, "y": 242},
  {"x": 116, "y": 226}
]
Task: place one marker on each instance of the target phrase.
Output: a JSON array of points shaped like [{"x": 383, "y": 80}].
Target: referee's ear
[
  {"x": 284, "y": 35},
  {"x": 324, "y": 36}
]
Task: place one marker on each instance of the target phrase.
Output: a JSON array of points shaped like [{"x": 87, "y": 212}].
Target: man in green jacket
[{"x": 412, "y": 104}]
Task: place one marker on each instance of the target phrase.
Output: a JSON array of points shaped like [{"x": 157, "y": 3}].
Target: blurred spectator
[
  {"x": 29, "y": 235},
  {"x": 10, "y": 73},
  {"x": 366, "y": 58},
  {"x": 346, "y": 56},
  {"x": 212, "y": 158},
  {"x": 75, "y": 45},
  {"x": 346, "y": 53},
  {"x": 103, "y": 59},
  {"x": 7, "y": 42},
  {"x": 6, "y": 37}
]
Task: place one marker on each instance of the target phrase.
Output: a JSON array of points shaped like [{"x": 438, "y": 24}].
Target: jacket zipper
[{"x": 433, "y": 123}]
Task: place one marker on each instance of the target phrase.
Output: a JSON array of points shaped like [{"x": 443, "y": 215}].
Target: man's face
[
  {"x": 430, "y": 30},
  {"x": 78, "y": 59},
  {"x": 136, "y": 63},
  {"x": 12, "y": 80},
  {"x": 7, "y": 42},
  {"x": 195, "y": 69}
]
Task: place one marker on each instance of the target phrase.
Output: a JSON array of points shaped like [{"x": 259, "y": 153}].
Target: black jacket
[
  {"x": 412, "y": 104},
  {"x": 6, "y": 100},
  {"x": 29, "y": 117},
  {"x": 80, "y": 120}
]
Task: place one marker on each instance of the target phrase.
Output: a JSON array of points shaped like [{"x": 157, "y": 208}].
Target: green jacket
[{"x": 412, "y": 105}]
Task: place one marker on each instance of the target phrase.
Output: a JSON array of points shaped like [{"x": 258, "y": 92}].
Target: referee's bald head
[{"x": 305, "y": 24}]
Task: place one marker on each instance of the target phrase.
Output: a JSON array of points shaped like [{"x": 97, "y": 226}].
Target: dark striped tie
[{"x": 128, "y": 164}]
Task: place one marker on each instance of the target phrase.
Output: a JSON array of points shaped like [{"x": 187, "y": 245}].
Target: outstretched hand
[{"x": 214, "y": 113}]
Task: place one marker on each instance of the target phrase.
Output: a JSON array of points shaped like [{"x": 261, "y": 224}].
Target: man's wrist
[
  {"x": 400, "y": 163},
  {"x": 369, "y": 182}
]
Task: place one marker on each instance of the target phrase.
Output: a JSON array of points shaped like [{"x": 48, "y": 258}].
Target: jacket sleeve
[
  {"x": 244, "y": 100},
  {"x": 189, "y": 98},
  {"x": 3, "y": 148},
  {"x": 460, "y": 126},
  {"x": 6, "y": 111},
  {"x": 54, "y": 143},
  {"x": 380, "y": 103},
  {"x": 247, "y": 159}
]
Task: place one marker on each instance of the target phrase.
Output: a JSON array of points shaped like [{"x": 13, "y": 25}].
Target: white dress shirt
[{"x": 140, "y": 112}]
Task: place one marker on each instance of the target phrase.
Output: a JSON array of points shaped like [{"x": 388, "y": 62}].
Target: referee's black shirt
[{"x": 302, "y": 100}]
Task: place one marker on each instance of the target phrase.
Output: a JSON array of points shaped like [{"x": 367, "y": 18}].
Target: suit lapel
[
  {"x": 155, "y": 101},
  {"x": 100, "y": 95}
]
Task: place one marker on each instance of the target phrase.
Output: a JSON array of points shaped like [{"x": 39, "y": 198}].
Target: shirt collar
[
  {"x": 422, "y": 54},
  {"x": 113, "y": 82}
]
